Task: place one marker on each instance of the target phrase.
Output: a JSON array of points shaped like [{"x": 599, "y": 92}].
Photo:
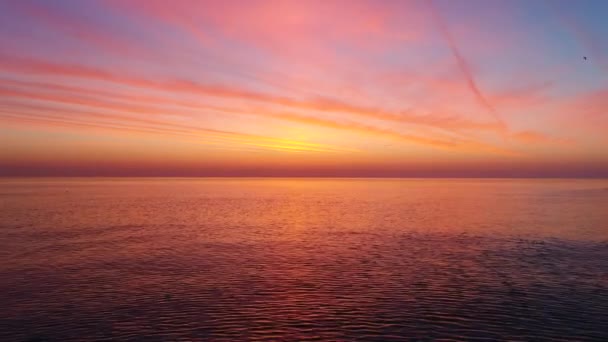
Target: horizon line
[{"x": 306, "y": 177}]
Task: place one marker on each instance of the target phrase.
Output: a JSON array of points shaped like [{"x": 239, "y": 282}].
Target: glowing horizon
[{"x": 304, "y": 88}]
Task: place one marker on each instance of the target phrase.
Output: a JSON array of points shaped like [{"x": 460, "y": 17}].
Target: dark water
[{"x": 281, "y": 259}]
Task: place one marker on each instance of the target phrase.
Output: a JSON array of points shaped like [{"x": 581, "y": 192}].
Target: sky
[{"x": 476, "y": 88}]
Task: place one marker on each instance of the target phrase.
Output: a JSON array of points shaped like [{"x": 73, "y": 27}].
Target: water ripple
[
  {"x": 306, "y": 268},
  {"x": 435, "y": 286}
]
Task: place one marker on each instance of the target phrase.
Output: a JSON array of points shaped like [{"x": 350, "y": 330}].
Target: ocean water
[{"x": 303, "y": 259}]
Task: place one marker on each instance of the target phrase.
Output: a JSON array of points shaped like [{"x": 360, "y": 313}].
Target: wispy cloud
[
  {"x": 448, "y": 122},
  {"x": 78, "y": 28},
  {"x": 103, "y": 106},
  {"x": 464, "y": 66}
]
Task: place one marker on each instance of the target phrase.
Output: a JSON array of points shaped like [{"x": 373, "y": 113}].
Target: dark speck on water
[{"x": 303, "y": 259}]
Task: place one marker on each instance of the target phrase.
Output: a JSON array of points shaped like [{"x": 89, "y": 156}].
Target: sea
[{"x": 303, "y": 259}]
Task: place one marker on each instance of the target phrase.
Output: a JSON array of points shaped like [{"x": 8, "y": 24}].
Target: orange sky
[{"x": 303, "y": 88}]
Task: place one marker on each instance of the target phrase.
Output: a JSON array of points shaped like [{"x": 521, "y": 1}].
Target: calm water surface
[{"x": 303, "y": 259}]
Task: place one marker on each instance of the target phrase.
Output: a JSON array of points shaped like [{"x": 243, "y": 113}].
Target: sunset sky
[{"x": 304, "y": 88}]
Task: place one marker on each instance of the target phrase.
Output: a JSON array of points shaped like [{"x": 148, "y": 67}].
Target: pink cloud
[{"x": 464, "y": 66}]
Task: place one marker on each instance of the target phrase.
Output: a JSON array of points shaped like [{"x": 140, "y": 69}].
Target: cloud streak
[
  {"x": 104, "y": 106},
  {"x": 464, "y": 66},
  {"x": 447, "y": 122}
]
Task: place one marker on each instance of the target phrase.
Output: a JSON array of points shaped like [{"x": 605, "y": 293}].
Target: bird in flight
[{"x": 585, "y": 57}]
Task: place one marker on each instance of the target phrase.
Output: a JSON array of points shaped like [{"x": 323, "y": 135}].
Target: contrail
[{"x": 464, "y": 67}]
